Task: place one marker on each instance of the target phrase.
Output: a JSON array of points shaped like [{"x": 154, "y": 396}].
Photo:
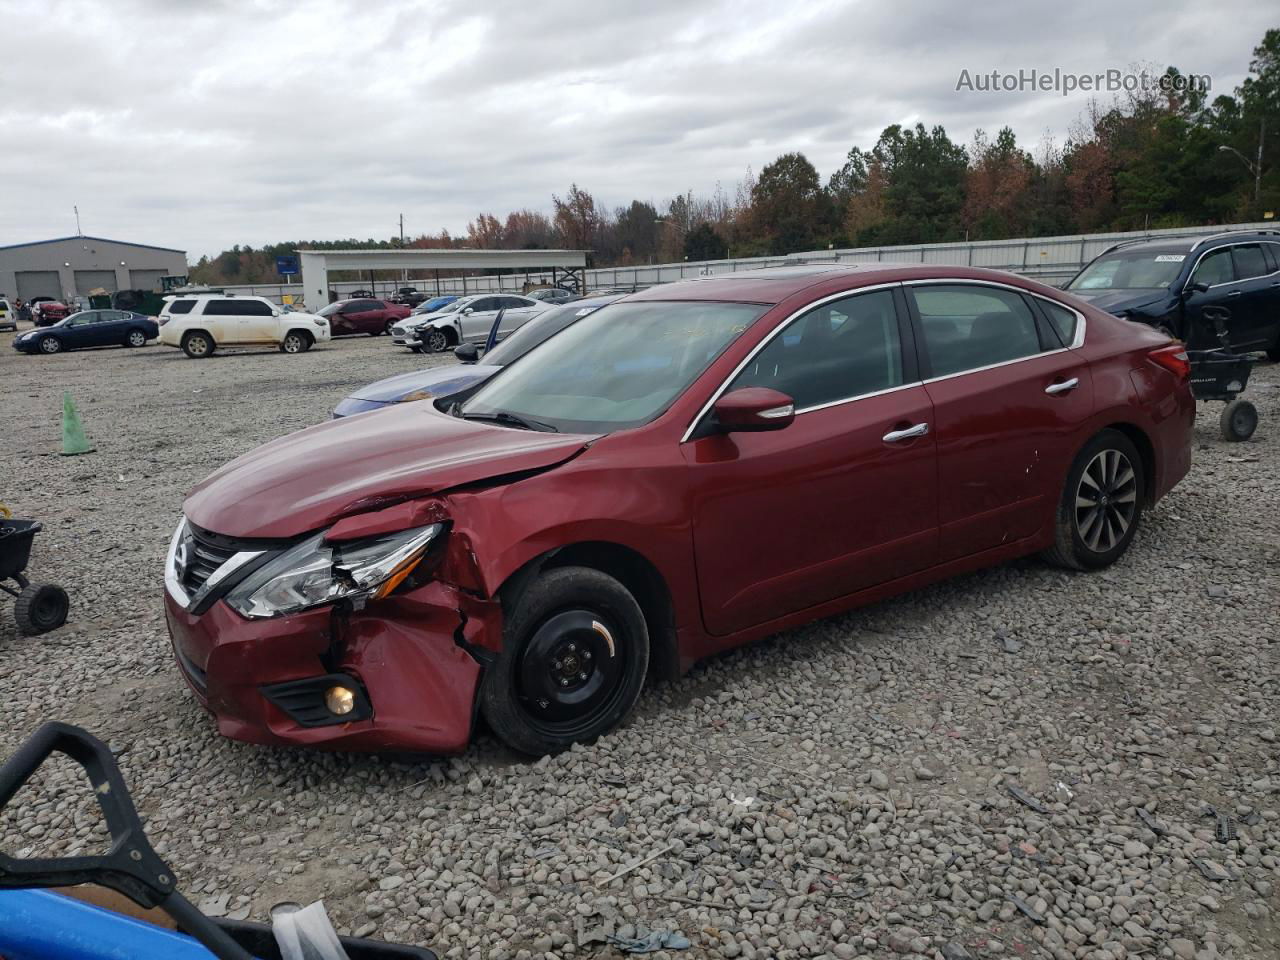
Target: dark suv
[{"x": 1167, "y": 282}]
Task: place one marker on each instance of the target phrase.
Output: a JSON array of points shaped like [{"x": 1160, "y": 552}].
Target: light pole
[{"x": 1254, "y": 168}]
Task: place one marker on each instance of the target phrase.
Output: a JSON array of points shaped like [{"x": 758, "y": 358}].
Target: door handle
[
  {"x": 1066, "y": 386},
  {"x": 1233, "y": 294},
  {"x": 893, "y": 436}
]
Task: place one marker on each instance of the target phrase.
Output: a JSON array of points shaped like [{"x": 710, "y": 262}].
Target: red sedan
[
  {"x": 363, "y": 315},
  {"x": 682, "y": 471}
]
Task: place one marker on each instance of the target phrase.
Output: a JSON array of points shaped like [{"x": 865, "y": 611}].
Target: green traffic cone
[{"x": 73, "y": 439}]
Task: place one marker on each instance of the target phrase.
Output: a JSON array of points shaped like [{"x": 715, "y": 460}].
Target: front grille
[
  {"x": 206, "y": 555},
  {"x": 397, "y": 331}
]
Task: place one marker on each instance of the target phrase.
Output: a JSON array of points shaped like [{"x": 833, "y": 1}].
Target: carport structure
[{"x": 568, "y": 267}]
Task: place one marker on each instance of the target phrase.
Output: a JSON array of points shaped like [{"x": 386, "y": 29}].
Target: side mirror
[
  {"x": 1199, "y": 287},
  {"x": 275, "y": 313},
  {"x": 754, "y": 410},
  {"x": 466, "y": 352},
  {"x": 467, "y": 311}
]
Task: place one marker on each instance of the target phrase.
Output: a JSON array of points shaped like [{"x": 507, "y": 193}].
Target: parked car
[
  {"x": 551, "y": 295},
  {"x": 472, "y": 318},
  {"x": 703, "y": 464},
  {"x": 45, "y": 312},
  {"x": 405, "y": 333},
  {"x": 439, "y": 383},
  {"x": 432, "y": 305},
  {"x": 90, "y": 328},
  {"x": 374, "y": 317},
  {"x": 1168, "y": 282},
  {"x": 408, "y": 296},
  {"x": 8, "y": 315},
  {"x": 361, "y": 295},
  {"x": 204, "y": 323}
]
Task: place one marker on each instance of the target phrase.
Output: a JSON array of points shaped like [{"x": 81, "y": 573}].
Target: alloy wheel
[
  {"x": 50, "y": 345},
  {"x": 437, "y": 342},
  {"x": 571, "y": 671},
  {"x": 137, "y": 339},
  {"x": 1106, "y": 500},
  {"x": 293, "y": 343}
]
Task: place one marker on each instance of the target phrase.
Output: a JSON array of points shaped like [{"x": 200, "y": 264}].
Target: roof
[
  {"x": 773, "y": 285},
  {"x": 123, "y": 243}
]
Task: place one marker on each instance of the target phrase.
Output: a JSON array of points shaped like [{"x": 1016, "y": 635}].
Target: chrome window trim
[
  {"x": 1228, "y": 246},
  {"x": 777, "y": 329},
  {"x": 995, "y": 366},
  {"x": 1076, "y": 342}
]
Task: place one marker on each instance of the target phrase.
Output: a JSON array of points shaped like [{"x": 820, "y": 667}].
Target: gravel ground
[{"x": 846, "y": 789}]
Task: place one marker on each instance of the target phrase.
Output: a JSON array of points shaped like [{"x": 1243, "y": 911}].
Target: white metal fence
[{"x": 1052, "y": 260}]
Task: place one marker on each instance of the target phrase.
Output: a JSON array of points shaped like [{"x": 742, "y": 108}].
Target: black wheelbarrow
[
  {"x": 39, "y": 607},
  {"x": 1220, "y": 374}
]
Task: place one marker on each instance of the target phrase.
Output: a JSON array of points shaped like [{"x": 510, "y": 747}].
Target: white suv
[{"x": 200, "y": 324}]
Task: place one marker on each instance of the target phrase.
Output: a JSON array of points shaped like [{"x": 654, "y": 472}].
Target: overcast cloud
[{"x": 203, "y": 124}]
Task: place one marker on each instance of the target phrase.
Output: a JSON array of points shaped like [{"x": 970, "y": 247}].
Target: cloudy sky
[{"x": 204, "y": 123}]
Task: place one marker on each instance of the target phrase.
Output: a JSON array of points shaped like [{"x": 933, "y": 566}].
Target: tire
[
  {"x": 574, "y": 655},
  {"x": 296, "y": 341},
  {"x": 1273, "y": 353},
  {"x": 415, "y": 348},
  {"x": 197, "y": 344},
  {"x": 436, "y": 341},
  {"x": 1238, "y": 421},
  {"x": 41, "y": 607},
  {"x": 136, "y": 338},
  {"x": 1109, "y": 471},
  {"x": 387, "y": 328},
  {"x": 49, "y": 345}
]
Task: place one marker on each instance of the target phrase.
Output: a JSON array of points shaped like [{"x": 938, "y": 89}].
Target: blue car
[
  {"x": 90, "y": 328},
  {"x": 432, "y": 305},
  {"x": 437, "y": 382}
]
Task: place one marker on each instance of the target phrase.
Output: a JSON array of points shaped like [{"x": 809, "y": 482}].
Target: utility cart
[
  {"x": 38, "y": 607},
  {"x": 1220, "y": 374}
]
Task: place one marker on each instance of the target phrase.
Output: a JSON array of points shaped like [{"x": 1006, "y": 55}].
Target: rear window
[
  {"x": 1062, "y": 320},
  {"x": 181, "y": 306},
  {"x": 238, "y": 308}
]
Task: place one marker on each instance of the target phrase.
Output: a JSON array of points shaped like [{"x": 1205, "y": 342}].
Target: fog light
[{"x": 339, "y": 700}]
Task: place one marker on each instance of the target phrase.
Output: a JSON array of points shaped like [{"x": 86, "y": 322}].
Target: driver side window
[
  {"x": 1214, "y": 268},
  {"x": 835, "y": 352}
]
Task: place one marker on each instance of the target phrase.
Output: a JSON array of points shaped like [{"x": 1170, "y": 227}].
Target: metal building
[{"x": 73, "y": 266}]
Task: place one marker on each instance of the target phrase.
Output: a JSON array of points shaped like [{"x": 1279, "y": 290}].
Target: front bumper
[{"x": 403, "y": 652}]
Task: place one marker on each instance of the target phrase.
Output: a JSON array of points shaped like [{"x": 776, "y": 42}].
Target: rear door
[
  {"x": 1008, "y": 398},
  {"x": 221, "y": 318},
  {"x": 1254, "y": 299},
  {"x": 843, "y": 498}
]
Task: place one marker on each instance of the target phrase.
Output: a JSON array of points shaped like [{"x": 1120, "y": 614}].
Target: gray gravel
[{"x": 842, "y": 790}]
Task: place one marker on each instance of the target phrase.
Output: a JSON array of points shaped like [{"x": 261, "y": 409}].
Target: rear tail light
[
  {"x": 162, "y": 319},
  {"x": 1174, "y": 359}
]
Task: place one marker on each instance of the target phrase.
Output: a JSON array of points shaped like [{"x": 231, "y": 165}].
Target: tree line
[{"x": 1170, "y": 156}]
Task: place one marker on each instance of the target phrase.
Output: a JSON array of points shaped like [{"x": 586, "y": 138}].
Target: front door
[
  {"x": 476, "y": 319},
  {"x": 842, "y": 499},
  {"x": 1008, "y": 398}
]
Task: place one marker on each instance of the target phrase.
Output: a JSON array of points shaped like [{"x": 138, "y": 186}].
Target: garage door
[
  {"x": 39, "y": 283},
  {"x": 87, "y": 280},
  {"x": 146, "y": 279}
]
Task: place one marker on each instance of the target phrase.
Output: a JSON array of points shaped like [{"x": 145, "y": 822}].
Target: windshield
[
  {"x": 1130, "y": 270},
  {"x": 540, "y": 328},
  {"x": 618, "y": 367}
]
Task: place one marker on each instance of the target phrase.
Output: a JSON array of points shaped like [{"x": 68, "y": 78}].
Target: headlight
[
  {"x": 314, "y": 572},
  {"x": 416, "y": 395}
]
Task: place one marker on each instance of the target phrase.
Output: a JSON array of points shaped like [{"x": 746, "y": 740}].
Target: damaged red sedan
[{"x": 680, "y": 472}]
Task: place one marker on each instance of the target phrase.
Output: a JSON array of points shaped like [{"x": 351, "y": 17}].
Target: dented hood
[{"x": 311, "y": 478}]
